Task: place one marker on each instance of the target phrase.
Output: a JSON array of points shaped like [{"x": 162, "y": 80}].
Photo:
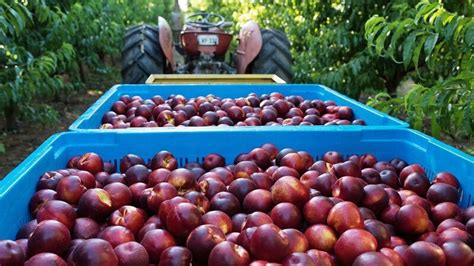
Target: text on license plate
[{"x": 208, "y": 40}]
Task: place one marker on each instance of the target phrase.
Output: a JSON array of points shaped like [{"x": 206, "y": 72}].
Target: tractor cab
[
  {"x": 204, "y": 34},
  {"x": 205, "y": 44}
]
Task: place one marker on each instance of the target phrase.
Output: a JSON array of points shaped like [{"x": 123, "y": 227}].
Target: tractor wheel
[
  {"x": 141, "y": 54},
  {"x": 274, "y": 57}
]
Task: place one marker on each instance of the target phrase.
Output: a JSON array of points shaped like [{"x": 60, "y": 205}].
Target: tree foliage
[
  {"x": 45, "y": 44},
  {"x": 439, "y": 46},
  {"x": 371, "y": 47}
]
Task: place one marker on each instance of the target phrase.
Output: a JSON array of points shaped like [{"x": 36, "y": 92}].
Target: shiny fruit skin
[
  {"x": 321, "y": 237},
  {"x": 44, "y": 259},
  {"x": 202, "y": 240},
  {"x": 131, "y": 254},
  {"x": 11, "y": 253},
  {"x": 257, "y": 200},
  {"x": 372, "y": 258},
  {"x": 347, "y": 251},
  {"x": 226, "y": 202},
  {"x": 49, "y": 236},
  {"x": 129, "y": 217},
  {"x": 94, "y": 251},
  {"x": 90, "y": 162},
  {"x": 298, "y": 241},
  {"x": 412, "y": 219},
  {"x": 228, "y": 253},
  {"x": 85, "y": 228},
  {"x": 95, "y": 203},
  {"x": 321, "y": 258},
  {"x": 219, "y": 219},
  {"x": 39, "y": 198},
  {"x": 116, "y": 235},
  {"x": 298, "y": 258},
  {"x": 269, "y": 243},
  {"x": 175, "y": 256},
  {"x": 316, "y": 210},
  {"x": 155, "y": 242},
  {"x": 344, "y": 216},
  {"x": 57, "y": 210},
  {"x": 458, "y": 253},
  {"x": 182, "y": 219},
  {"x": 425, "y": 253},
  {"x": 289, "y": 189},
  {"x": 286, "y": 215}
]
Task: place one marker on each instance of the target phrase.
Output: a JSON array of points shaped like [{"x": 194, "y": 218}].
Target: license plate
[{"x": 208, "y": 40}]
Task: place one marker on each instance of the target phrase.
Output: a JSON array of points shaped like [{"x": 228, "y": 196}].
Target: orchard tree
[{"x": 45, "y": 44}]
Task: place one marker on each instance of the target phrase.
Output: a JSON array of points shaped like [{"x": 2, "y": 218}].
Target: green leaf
[
  {"x": 459, "y": 29},
  {"x": 373, "y": 34},
  {"x": 427, "y": 101},
  {"x": 452, "y": 25},
  {"x": 438, "y": 22},
  {"x": 3, "y": 23},
  {"x": 43, "y": 13},
  {"x": 435, "y": 127},
  {"x": 468, "y": 121},
  {"x": 371, "y": 31},
  {"x": 380, "y": 41},
  {"x": 401, "y": 28},
  {"x": 447, "y": 19},
  {"x": 469, "y": 34},
  {"x": 382, "y": 95},
  {"x": 371, "y": 23},
  {"x": 430, "y": 45},
  {"x": 408, "y": 47},
  {"x": 425, "y": 10},
  {"x": 2, "y": 148},
  {"x": 421, "y": 4},
  {"x": 417, "y": 51},
  {"x": 436, "y": 17},
  {"x": 463, "y": 76},
  {"x": 409, "y": 96},
  {"x": 432, "y": 14},
  {"x": 16, "y": 20},
  {"x": 22, "y": 9},
  {"x": 443, "y": 103}
]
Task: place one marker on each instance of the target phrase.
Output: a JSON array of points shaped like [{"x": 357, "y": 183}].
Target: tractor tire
[
  {"x": 141, "y": 54},
  {"x": 274, "y": 57}
]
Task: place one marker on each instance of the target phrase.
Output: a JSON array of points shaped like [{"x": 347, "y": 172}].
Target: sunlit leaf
[
  {"x": 401, "y": 28},
  {"x": 408, "y": 47},
  {"x": 417, "y": 51},
  {"x": 429, "y": 45}
]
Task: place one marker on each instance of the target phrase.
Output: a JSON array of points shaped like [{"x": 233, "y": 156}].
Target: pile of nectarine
[
  {"x": 253, "y": 110},
  {"x": 269, "y": 207}
]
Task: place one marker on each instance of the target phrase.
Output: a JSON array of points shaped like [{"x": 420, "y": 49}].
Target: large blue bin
[
  {"x": 91, "y": 119},
  {"x": 412, "y": 146}
]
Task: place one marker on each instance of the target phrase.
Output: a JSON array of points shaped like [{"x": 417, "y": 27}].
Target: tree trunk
[
  {"x": 82, "y": 72},
  {"x": 11, "y": 113}
]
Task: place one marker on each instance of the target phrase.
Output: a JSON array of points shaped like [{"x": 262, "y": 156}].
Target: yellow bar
[{"x": 213, "y": 79}]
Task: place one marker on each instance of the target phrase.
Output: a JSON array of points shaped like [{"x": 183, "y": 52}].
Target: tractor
[{"x": 201, "y": 48}]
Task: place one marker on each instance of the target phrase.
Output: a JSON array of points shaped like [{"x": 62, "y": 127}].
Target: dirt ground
[{"x": 20, "y": 143}]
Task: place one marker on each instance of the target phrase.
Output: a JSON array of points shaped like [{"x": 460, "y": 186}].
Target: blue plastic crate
[
  {"x": 91, "y": 119},
  {"x": 412, "y": 146}
]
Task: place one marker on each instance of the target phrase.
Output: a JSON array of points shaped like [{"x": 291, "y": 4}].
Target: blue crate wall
[{"x": 412, "y": 146}]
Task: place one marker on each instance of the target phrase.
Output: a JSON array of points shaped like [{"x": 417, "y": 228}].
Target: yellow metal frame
[{"x": 213, "y": 79}]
